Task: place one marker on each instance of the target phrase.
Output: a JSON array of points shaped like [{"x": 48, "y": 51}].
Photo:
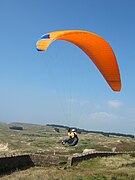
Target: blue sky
[{"x": 61, "y": 85}]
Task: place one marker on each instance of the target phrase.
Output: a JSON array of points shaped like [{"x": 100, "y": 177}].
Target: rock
[{"x": 86, "y": 151}]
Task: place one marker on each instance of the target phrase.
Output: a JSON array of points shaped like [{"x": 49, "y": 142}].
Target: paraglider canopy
[{"x": 97, "y": 49}]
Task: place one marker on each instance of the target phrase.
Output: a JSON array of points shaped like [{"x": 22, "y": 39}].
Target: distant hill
[
  {"x": 97, "y": 132},
  {"x": 24, "y": 125}
]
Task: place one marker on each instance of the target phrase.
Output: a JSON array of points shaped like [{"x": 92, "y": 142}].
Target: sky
[{"x": 62, "y": 85}]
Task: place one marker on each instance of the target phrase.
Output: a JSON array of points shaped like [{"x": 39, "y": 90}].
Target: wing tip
[{"x": 116, "y": 86}]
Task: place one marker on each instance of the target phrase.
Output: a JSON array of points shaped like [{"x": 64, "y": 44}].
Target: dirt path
[{"x": 4, "y": 147}]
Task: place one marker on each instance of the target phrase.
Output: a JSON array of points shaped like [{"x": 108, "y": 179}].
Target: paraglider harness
[{"x": 72, "y": 140}]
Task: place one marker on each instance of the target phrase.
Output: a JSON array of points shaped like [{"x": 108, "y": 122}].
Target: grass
[
  {"x": 34, "y": 138},
  {"x": 109, "y": 168},
  {"x": 45, "y": 140}
]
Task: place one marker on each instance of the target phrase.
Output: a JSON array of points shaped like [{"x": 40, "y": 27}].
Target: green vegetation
[
  {"x": 96, "y": 132},
  {"x": 105, "y": 168},
  {"x": 47, "y": 140},
  {"x": 16, "y": 127}
]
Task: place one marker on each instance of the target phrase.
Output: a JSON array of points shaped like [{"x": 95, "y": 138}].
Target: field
[{"x": 47, "y": 140}]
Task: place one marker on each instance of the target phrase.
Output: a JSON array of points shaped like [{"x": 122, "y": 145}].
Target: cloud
[
  {"x": 102, "y": 116},
  {"x": 115, "y": 104}
]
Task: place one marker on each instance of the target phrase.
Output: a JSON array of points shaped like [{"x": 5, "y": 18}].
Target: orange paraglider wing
[{"x": 98, "y": 50}]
